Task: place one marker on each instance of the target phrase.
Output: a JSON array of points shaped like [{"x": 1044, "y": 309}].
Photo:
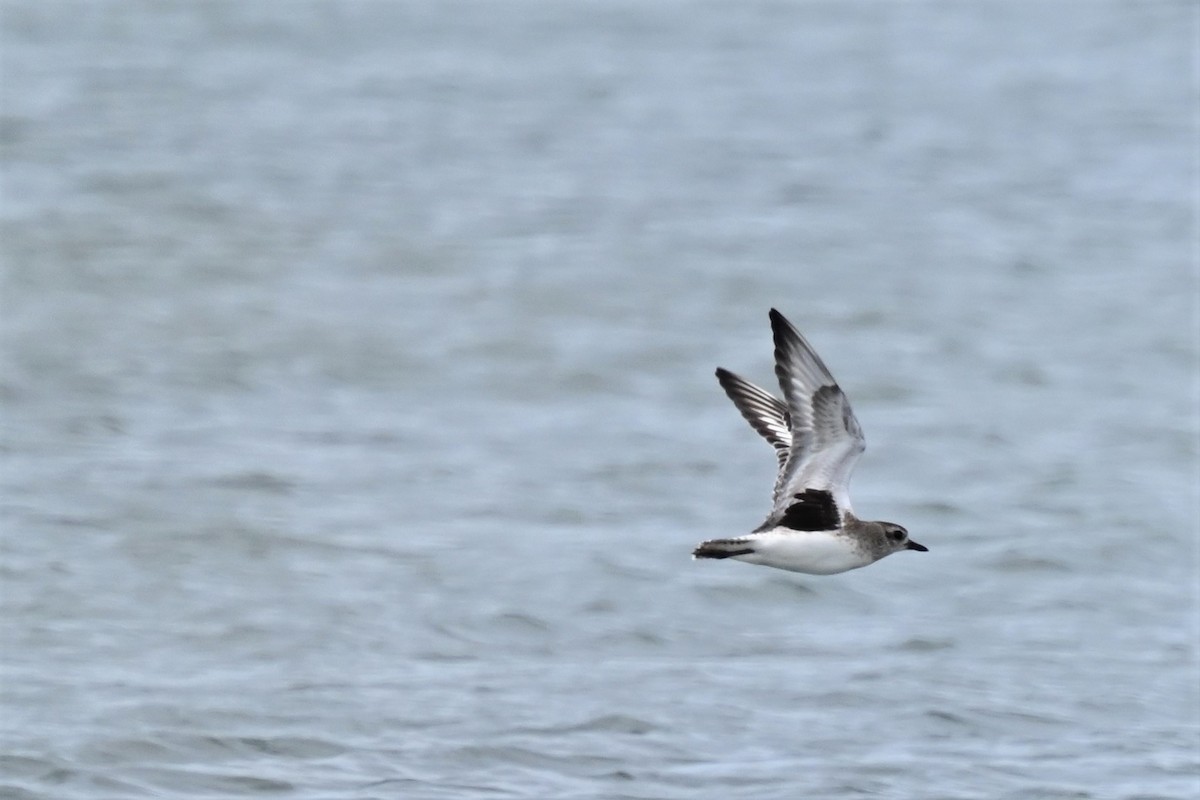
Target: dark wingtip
[
  {"x": 784, "y": 335},
  {"x": 783, "y": 330},
  {"x": 779, "y": 321}
]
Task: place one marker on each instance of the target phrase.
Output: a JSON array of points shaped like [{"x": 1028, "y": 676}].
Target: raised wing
[
  {"x": 767, "y": 414},
  {"x": 826, "y": 437}
]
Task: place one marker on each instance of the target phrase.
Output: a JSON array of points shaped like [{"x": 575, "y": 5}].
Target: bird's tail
[{"x": 723, "y": 548}]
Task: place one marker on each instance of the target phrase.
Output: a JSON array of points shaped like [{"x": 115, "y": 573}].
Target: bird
[{"x": 818, "y": 440}]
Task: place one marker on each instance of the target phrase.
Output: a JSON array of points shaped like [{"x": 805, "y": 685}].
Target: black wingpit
[{"x": 814, "y": 510}]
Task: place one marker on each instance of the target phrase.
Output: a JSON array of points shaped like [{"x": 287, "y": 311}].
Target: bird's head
[{"x": 897, "y": 539}]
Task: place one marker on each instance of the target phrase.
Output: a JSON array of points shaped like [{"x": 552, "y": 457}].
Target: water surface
[{"x": 359, "y": 414}]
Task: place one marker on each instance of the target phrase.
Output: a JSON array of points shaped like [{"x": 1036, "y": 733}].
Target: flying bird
[{"x": 811, "y": 527}]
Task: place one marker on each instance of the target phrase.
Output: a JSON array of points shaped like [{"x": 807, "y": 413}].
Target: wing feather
[
  {"x": 826, "y": 437},
  {"x": 767, "y": 414}
]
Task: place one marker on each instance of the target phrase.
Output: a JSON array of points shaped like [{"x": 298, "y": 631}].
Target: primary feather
[{"x": 815, "y": 434}]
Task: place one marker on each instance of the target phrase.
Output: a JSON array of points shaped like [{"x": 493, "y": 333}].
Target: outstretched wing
[
  {"x": 767, "y": 414},
  {"x": 826, "y": 437}
]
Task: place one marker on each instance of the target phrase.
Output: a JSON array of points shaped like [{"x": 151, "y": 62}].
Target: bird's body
[
  {"x": 818, "y": 440},
  {"x": 816, "y": 552}
]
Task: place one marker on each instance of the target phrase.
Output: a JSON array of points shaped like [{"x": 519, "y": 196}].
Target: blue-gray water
[{"x": 358, "y": 409}]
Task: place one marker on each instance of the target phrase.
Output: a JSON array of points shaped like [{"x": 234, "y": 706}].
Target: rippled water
[{"x": 359, "y": 414}]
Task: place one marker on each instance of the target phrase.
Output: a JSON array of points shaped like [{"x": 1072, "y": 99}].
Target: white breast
[{"x": 813, "y": 552}]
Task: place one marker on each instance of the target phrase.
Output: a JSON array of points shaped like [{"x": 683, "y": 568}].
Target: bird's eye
[{"x": 897, "y": 535}]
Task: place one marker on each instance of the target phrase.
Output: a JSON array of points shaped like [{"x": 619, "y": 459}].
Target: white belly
[{"x": 813, "y": 552}]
